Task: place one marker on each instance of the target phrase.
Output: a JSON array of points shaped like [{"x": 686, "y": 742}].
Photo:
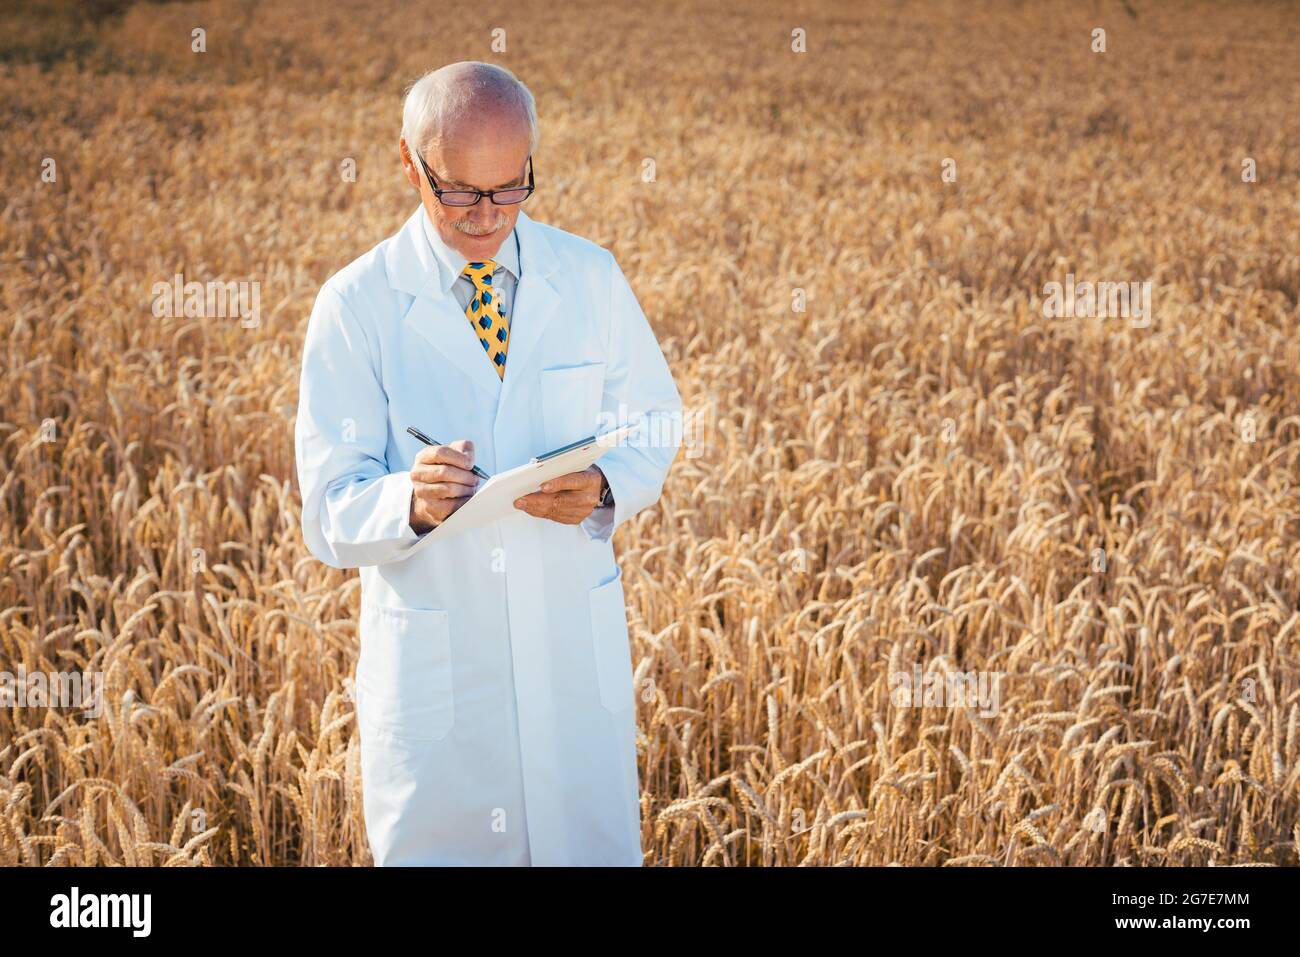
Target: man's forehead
[{"x": 446, "y": 174}]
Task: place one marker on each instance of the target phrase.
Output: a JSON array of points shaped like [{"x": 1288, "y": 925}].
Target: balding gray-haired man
[{"x": 494, "y": 684}]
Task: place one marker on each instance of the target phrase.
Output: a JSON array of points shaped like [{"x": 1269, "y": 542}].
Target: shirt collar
[{"x": 451, "y": 264}]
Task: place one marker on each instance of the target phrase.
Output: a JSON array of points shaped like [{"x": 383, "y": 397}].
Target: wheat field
[{"x": 902, "y": 466}]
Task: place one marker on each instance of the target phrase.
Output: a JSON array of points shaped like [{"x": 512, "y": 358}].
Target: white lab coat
[{"x": 494, "y": 683}]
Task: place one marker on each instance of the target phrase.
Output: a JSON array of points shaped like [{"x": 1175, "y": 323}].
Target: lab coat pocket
[
  {"x": 404, "y": 671},
  {"x": 571, "y": 398},
  {"x": 609, "y": 638}
]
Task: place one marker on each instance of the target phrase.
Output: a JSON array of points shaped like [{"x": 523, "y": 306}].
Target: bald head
[{"x": 459, "y": 99}]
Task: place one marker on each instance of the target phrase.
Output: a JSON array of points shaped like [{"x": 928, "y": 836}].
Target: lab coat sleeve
[
  {"x": 355, "y": 511},
  {"x": 638, "y": 388}
]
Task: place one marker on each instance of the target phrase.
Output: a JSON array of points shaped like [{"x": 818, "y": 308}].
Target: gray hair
[{"x": 437, "y": 99}]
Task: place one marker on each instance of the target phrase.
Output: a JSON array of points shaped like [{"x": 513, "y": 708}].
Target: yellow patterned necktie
[{"x": 485, "y": 315}]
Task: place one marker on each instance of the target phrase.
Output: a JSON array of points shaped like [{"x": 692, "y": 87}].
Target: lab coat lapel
[
  {"x": 535, "y": 305},
  {"x": 433, "y": 314}
]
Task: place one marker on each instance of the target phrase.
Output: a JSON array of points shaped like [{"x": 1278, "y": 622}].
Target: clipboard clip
[
  {"x": 612, "y": 437},
  {"x": 537, "y": 459}
]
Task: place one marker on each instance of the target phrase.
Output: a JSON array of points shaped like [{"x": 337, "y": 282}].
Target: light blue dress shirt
[{"x": 505, "y": 278}]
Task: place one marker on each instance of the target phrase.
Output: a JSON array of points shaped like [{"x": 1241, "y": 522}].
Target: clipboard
[{"x": 495, "y": 498}]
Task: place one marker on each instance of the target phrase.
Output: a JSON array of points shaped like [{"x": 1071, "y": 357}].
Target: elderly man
[{"x": 494, "y": 683}]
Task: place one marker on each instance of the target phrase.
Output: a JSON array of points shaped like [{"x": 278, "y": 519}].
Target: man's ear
[{"x": 408, "y": 163}]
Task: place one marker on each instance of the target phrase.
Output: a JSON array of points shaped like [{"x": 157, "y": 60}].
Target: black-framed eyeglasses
[{"x": 469, "y": 197}]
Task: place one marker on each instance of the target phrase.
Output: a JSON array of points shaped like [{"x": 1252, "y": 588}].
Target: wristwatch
[{"x": 606, "y": 493}]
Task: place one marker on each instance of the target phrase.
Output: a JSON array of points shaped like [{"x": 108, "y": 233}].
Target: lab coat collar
[
  {"x": 415, "y": 268},
  {"x": 452, "y": 263}
]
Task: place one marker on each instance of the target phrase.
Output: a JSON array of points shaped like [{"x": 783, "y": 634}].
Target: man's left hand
[{"x": 567, "y": 499}]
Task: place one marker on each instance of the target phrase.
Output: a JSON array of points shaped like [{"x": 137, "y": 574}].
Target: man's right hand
[{"x": 441, "y": 482}]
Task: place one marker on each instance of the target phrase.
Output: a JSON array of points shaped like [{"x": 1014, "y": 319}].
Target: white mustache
[{"x": 466, "y": 229}]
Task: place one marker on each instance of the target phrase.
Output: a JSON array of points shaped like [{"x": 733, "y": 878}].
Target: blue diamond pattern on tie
[{"x": 484, "y": 315}]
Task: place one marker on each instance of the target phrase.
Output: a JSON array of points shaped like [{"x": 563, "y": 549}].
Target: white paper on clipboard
[{"x": 495, "y": 498}]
